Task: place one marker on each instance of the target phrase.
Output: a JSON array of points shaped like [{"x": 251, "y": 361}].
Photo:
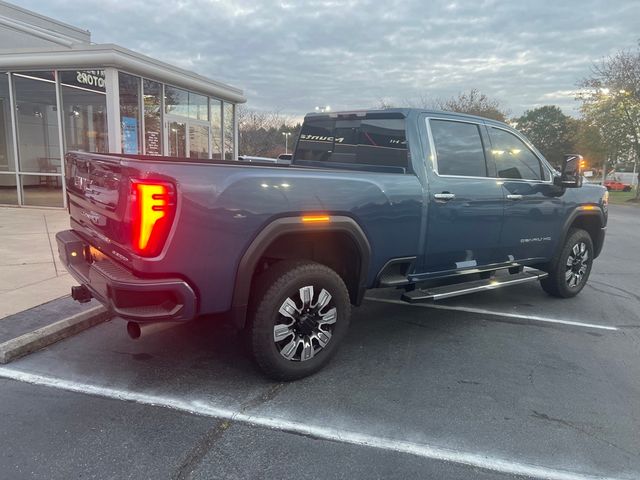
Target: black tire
[
  {"x": 626, "y": 189},
  {"x": 284, "y": 281},
  {"x": 564, "y": 280}
]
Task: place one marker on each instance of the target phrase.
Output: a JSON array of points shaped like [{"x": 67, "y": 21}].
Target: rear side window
[
  {"x": 355, "y": 143},
  {"x": 512, "y": 156},
  {"x": 459, "y": 148}
]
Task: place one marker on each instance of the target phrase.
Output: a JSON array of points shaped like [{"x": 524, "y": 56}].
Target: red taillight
[{"x": 152, "y": 215}]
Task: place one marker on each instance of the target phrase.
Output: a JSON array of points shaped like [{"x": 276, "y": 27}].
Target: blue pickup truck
[{"x": 433, "y": 203}]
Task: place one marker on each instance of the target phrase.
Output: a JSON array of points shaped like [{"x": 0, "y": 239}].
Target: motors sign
[{"x": 87, "y": 79}]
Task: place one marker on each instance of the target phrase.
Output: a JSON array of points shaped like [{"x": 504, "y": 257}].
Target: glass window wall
[
  {"x": 216, "y": 129},
  {"x": 75, "y": 101},
  {"x": 176, "y": 101},
  {"x": 8, "y": 190},
  {"x": 152, "y": 94},
  {"x": 37, "y": 123},
  {"x": 84, "y": 110},
  {"x": 228, "y": 130},
  {"x": 129, "y": 87}
]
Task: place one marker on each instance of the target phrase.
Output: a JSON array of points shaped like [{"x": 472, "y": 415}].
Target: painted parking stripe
[
  {"x": 482, "y": 311},
  {"x": 432, "y": 452}
]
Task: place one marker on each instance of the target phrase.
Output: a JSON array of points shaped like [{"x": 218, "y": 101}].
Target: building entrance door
[{"x": 187, "y": 137}]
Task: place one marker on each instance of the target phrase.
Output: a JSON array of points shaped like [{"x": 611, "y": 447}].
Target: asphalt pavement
[{"x": 505, "y": 384}]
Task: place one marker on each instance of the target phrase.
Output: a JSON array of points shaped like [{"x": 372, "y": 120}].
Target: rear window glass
[{"x": 354, "y": 142}]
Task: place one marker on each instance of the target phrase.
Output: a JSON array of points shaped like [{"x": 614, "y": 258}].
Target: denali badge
[
  {"x": 535, "y": 239},
  {"x": 92, "y": 216}
]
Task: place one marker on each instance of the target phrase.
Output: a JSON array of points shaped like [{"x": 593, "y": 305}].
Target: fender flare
[
  {"x": 576, "y": 213},
  {"x": 287, "y": 225}
]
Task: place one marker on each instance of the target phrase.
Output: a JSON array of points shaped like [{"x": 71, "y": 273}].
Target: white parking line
[
  {"x": 481, "y": 311},
  {"x": 433, "y": 452}
]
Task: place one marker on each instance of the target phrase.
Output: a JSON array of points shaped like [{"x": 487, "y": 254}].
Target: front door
[
  {"x": 465, "y": 204},
  {"x": 187, "y": 137},
  {"x": 533, "y": 205}
]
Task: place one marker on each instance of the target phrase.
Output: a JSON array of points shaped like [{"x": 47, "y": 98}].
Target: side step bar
[{"x": 448, "y": 291}]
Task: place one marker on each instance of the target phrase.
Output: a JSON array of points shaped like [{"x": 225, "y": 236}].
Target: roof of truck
[{"x": 399, "y": 112}]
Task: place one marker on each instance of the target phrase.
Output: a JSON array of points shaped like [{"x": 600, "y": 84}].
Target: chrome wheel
[
  {"x": 577, "y": 265},
  {"x": 305, "y": 325}
]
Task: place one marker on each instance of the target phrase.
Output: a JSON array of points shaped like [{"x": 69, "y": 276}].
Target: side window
[
  {"x": 513, "y": 158},
  {"x": 459, "y": 149}
]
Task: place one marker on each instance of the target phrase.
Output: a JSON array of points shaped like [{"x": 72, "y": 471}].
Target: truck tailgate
[{"x": 99, "y": 192}]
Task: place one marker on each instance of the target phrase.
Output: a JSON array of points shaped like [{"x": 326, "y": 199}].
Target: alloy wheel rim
[
  {"x": 577, "y": 264},
  {"x": 305, "y": 326}
]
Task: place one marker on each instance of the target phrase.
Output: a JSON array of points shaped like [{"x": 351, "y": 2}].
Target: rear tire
[
  {"x": 571, "y": 269},
  {"x": 298, "y": 316}
]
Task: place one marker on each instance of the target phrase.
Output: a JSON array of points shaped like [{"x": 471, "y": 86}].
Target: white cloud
[{"x": 290, "y": 56}]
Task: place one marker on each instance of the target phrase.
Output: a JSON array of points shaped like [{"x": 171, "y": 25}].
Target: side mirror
[{"x": 571, "y": 174}]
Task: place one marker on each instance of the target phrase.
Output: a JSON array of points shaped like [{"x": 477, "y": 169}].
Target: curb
[{"x": 42, "y": 337}]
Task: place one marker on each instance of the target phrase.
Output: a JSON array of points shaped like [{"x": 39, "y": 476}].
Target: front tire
[
  {"x": 298, "y": 316},
  {"x": 572, "y": 267}
]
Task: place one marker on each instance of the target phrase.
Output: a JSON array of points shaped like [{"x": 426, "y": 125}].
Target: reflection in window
[
  {"x": 176, "y": 101},
  {"x": 42, "y": 191},
  {"x": 129, "y": 87},
  {"x": 7, "y": 157},
  {"x": 459, "y": 149},
  {"x": 37, "y": 124},
  {"x": 198, "y": 141},
  {"x": 177, "y": 135},
  {"x": 513, "y": 158},
  {"x": 198, "y": 107},
  {"x": 84, "y": 110},
  {"x": 216, "y": 129},
  {"x": 152, "y": 92},
  {"x": 378, "y": 142},
  {"x": 228, "y": 131}
]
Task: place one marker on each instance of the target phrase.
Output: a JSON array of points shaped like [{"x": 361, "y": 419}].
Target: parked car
[
  {"x": 437, "y": 204},
  {"x": 616, "y": 186}
]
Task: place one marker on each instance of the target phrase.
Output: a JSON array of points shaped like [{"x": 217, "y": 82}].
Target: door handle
[
  {"x": 514, "y": 197},
  {"x": 444, "y": 196}
]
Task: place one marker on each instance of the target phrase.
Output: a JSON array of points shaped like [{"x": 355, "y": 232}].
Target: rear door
[
  {"x": 465, "y": 203},
  {"x": 533, "y": 205}
]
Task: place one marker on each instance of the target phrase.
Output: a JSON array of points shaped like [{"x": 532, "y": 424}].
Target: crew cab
[{"x": 433, "y": 203}]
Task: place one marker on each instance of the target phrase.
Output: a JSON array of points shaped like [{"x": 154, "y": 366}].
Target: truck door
[
  {"x": 465, "y": 204},
  {"x": 533, "y": 205}
]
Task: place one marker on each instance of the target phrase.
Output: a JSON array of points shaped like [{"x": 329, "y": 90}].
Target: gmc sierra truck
[{"x": 434, "y": 203}]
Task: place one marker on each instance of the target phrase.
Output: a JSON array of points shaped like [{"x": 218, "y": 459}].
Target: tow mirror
[{"x": 571, "y": 174}]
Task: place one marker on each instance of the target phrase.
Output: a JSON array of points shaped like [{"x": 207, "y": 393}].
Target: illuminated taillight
[{"x": 152, "y": 215}]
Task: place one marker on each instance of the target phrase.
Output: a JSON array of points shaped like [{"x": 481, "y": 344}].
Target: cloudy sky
[{"x": 292, "y": 55}]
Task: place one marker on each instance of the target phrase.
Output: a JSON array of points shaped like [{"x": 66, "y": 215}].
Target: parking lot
[{"x": 506, "y": 384}]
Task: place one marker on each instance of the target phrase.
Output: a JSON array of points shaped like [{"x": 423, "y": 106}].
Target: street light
[
  {"x": 323, "y": 109},
  {"x": 286, "y": 141}
]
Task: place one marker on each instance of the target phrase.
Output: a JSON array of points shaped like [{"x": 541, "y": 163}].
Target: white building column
[{"x": 113, "y": 109}]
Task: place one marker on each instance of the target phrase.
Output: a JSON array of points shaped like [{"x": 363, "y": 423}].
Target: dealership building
[{"x": 60, "y": 92}]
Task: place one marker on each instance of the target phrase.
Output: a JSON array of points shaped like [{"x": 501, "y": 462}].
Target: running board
[{"x": 448, "y": 291}]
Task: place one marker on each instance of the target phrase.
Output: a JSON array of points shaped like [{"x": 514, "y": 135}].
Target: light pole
[{"x": 286, "y": 142}]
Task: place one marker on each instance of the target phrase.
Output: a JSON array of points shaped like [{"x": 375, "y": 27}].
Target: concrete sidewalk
[{"x": 30, "y": 272}]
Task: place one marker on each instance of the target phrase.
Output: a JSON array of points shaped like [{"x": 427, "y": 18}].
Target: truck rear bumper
[{"x": 126, "y": 295}]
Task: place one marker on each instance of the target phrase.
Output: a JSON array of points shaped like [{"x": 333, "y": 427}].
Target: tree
[
  {"x": 611, "y": 102},
  {"x": 474, "y": 102},
  {"x": 550, "y": 130},
  {"x": 260, "y": 133},
  {"x": 589, "y": 143}
]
